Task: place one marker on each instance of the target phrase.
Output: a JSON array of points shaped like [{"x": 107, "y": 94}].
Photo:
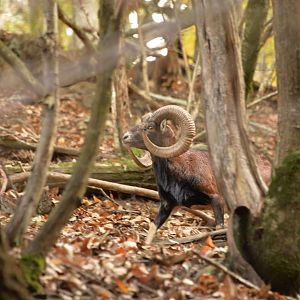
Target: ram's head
[{"x": 155, "y": 135}]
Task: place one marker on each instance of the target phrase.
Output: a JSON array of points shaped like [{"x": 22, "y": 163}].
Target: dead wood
[
  {"x": 192, "y": 238},
  {"x": 59, "y": 178},
  {"x": 12, "y": 142}
]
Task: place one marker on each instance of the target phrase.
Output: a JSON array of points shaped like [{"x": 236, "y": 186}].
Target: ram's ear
[{"x": 163, "y": 125}]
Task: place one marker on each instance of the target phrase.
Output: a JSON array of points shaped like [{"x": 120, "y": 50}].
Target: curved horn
[
  {"x": 144, "y": 162},
  {"x": 180, "y": 117}
]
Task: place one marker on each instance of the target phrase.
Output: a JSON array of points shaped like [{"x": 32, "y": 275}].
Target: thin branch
[
  {"x": 4, "y": 181},
  {"x": 143, "y": 94},
  {"x": 78, "y": 31},
  {"x": 21, "y": 70},
  {"x": 12, "y": 142},
  {"x": 168, "y": 99},
  {"x": 266, "y": 97},
  {"x": 192, "y": 238},
  {"x": 227, "y": 271}
]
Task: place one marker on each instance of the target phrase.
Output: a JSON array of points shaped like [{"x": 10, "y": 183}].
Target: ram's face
[{"x": 134, "y": 137}]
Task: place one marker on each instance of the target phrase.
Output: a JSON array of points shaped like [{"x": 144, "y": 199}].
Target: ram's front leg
[{"x": 164, "y": 212}]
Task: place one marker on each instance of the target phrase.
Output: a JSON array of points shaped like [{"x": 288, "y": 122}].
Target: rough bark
[
  {"x": 123, "y": 113},
  {"x": 255, "y": 17},
  {"x": 271, "y": 242},
  {"x": 287, "y": 46},
  {"x": 232, "y": 160},
  {"x": 71, "y": 198},
  {"x": 34, "y": 188},
  {"x": 12, "y": 285}
]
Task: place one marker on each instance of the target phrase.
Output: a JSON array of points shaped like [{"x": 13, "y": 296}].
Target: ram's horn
[{"x": 179, "y": 117}]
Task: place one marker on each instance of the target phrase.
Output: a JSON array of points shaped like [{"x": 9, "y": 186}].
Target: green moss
[
  {"x": 285, "y": 186},
  {"x": 271, "y": 242},
  {"x": 280, "y": 220},
  {"x": 32, "y": 267}
]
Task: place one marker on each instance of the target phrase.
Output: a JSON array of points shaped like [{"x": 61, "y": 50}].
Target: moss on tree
[
  {"x": 32, "y": 268},
  {"x": 271, "y": 242}
]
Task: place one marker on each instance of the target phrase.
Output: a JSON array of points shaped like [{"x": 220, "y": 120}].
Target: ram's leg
[
  {"x": 164, "y": 212},
  {"x": 218, "y": 209}
]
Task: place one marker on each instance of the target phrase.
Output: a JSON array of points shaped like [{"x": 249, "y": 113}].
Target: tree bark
[
  {"x": 12, "y": 285},
  {"x": 287, "y": 46},
  {"x": 225, "y": 115},
  {"x": 123, "y": 113},
  {"x": 34, "y": 188},
  {"x": 109, "y": 20},
  {"x": 255, "y": 17},
  {"x": 271, "y": 242}
]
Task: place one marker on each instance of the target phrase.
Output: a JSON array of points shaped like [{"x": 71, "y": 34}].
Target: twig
[
  {"x": 21, "y": 70},
  {"x": 14, "y": 142},
  {"x": 147, "y": 288},
  {"x": 168, "y": 99},
  {"x": 143, "y": 94},
  {"x": 210, "y": 221},
  {"x": 192, "y": 238},
  {"x": 225, "y": 270},
  {"x": 266, "y": 97},
  {"x": 79, "y": 32},
  {"x": 4, "y": 181}
]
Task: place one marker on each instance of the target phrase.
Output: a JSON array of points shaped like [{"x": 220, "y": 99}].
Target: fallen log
[
  {"x": 58, "y": 178},
  {"x": 121, "y": 170}
]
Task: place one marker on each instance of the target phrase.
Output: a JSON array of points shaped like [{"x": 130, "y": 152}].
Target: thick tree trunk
[
  {"x": 271, "y": 242},
  {"x": 255, "y": 17},
  {"x": 72, "y": 195},
  {"x": 34, "y": 188},
  {"x": 12, "y": 285},
  {"x": 225, "y": 114},
  {"x": 287, "y": 45}
]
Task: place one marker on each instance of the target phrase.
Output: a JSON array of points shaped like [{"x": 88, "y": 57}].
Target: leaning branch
[
  {"x": 78, "y": 31},
  {"x": 15, "y": 143},
  {"x": 21, "y": 69},
  {"x": 226, "y": 271}
]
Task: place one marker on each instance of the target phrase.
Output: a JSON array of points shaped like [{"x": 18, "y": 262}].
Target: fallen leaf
[{"x": 122, "y": 286}]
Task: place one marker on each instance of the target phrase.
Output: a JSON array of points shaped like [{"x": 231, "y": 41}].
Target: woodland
[{"x": 77, "y": 201}]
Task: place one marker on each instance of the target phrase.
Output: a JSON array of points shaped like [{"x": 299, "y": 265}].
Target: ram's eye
[{"x": 150, "y": 127}]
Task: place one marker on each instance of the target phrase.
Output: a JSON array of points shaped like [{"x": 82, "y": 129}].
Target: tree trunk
[
  {"x": 287, "y": 45},
  {"x": 268, "y": 239},
  {"x": 12, "y": 285},
  {"x": 110, "y": 21},
  {"x": 271, "y": 243},
  {"x": 255, "y": 17},
  {"x": 225, "y": 114},
  {"x": 123, "y": 113},
  {"x": 34, "y": 188}
]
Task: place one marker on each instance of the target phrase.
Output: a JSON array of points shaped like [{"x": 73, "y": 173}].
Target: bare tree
[
  {"x": 110, "y": 16},
  {"x": 33, "y": 192},
  {"x": 261, "y": 228},
  {"x": 287, "y": 43},
  {"x": 255, "y": 17}
]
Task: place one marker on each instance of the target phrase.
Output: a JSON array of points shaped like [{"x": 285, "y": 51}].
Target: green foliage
[
  {"x": 32, "y": 267},
  {"x": 189, "y": 41}
]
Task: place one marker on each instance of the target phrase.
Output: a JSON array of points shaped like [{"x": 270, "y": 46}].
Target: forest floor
[{"x": 100, "y": 253}]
